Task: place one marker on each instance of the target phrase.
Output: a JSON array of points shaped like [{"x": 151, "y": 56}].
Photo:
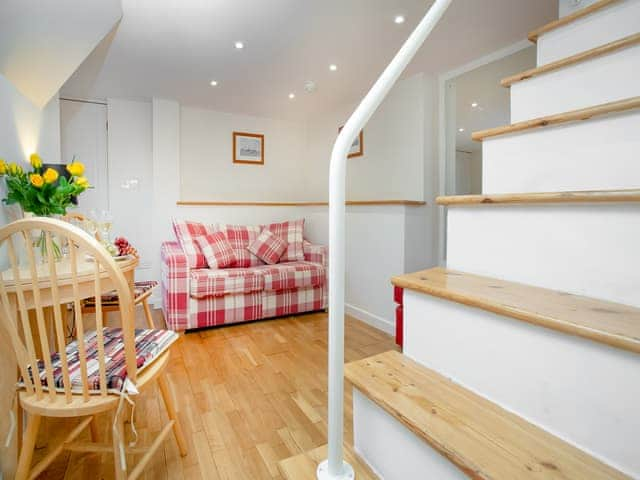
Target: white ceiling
[
  {"x": 173, "y": 48},
  {"x": 42, "y": 43},
  {"x": 482, "y": 86}
]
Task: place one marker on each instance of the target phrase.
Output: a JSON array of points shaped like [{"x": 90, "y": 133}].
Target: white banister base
[{"x": 323, "y": 472}]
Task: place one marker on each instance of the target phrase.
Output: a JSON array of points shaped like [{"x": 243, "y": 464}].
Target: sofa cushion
[
  {"x": 186, "y": 233},
  {"x": 217, "y": 250},
  {"x": 292, "y": 275},
  {"x": 208, "y": 282},
  {"x": 268, "y": 247},
  {"x": 292, "y": 233},
  {"x": 240, "y": 237}
]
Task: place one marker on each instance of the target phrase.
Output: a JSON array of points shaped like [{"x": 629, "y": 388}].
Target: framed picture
[
  {"x": 248, "y": 148},
  {"x": 357, "y": 147}
]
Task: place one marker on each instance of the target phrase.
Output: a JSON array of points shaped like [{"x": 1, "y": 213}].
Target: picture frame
[
  {"x": 357, "y": 147},
  {"x": 248, "y": 148}
]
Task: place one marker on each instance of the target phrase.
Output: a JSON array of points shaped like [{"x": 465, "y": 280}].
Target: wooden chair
[{"x": 65, "y": 386}]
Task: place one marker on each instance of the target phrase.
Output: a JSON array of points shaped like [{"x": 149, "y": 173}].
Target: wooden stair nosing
[
  {"x": 602, "y": 50},
  {"x": 573, "y": 116},
  {"x": 592, "y": 196},
  {"x": 601, "y": 321},
  {"x": 479, "y": 437},
  {"x": 303, "y": 466},
  {"x": 561, "y": 22}
]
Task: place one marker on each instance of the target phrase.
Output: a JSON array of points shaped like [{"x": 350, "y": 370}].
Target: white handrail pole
[{"x": 335, "y": 468}]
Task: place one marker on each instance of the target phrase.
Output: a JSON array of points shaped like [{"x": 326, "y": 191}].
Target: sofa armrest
[
  {"x": 175, "y": 286},
  {"x": 315, "y": 253}
]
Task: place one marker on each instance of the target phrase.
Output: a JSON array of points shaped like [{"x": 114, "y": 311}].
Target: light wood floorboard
[{"x": 248, "y": 396}]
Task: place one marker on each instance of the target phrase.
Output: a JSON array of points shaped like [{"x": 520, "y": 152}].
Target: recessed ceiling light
[
  {"x": 292, "y": 96},
  {"x": 239, "y": 45},
  {"x": 333, "y": 67},
  {"x": 214, "y": 83},
  {"x": 474, "y": 104},
  {"x": 461, "y": 130},
  {"x": 399, "y": 19}
]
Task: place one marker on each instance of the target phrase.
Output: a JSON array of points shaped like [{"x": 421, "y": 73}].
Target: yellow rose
[
  {"x": 14, "y": 169},
  {"x": 50, "y": 175},
  {"x": 82, "y": 182},
  {"x": 3, "y": 167},
  {"x": 35, "y": 160},
  {"x": 36, "y": 180},
  {"x": 76, "y": 169}
]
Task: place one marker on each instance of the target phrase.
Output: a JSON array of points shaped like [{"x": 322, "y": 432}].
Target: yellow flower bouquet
[{"x": 43, "y": 192}]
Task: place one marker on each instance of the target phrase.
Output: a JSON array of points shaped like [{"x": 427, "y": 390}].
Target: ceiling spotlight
[
  {"x": 399, "y": 19},
  {"x": 474, "y": 104},
  {"x": 461, "y": 130},
  {"x": 239, "y": 45},
  {"x": 333, "y": 67},
  {"x": 214, "y": 83},
  {"x": 292, "y": 96}
]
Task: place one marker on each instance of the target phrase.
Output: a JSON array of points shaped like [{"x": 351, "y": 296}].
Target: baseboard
[{"x": 368, "y": 317}]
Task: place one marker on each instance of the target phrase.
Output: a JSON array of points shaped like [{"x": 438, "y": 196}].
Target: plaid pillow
[
  {"x": 217, "y": 250},
  {"x": 186, "y": 233},
  {"x": 290, "y": 232},
  {"x": 240, "y": 237},
  {"x": 268, "y": 247}
]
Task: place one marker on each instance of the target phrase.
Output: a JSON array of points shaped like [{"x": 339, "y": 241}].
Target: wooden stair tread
[
  {"x": 561, "y": 22},
  {"x": 482, "y": 439},
  {"x": 304, "y": 465},
  {"x": 559, "y": 118},
  {"x": 611, "y": 47},
  {"x": 594, "y": 196},
  {"x": 605, "y": 322}
]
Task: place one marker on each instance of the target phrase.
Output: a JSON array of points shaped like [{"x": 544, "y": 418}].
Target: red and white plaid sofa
[{"x": 205, "y": 297}]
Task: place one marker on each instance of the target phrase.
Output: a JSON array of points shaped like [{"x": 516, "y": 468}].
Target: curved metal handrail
[{"x": 335, "y": 467}]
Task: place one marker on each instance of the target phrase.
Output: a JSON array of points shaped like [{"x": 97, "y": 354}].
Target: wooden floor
[{"x": 249, "y": 396}]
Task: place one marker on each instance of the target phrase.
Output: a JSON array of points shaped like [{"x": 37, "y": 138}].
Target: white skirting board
[
  {"x": 393, "y": 451},
  {"x": 604, "y": 26},
  {"x": 371, "y": 319},
  {"x": 581, "y": 391}
]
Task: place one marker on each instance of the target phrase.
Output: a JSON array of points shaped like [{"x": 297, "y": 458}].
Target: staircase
[{"x": 521, "y": 357}]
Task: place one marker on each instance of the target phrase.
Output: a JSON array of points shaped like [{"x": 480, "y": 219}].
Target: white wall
[
  {"x": 24, "y": 129},
  {"x": 207, "y": 170}
]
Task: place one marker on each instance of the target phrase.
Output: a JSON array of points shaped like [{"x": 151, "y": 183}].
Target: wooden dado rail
[{"x": 408, "y": 203}]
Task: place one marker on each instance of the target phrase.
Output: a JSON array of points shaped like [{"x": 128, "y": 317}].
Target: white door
[{"x": 83, "y": 134}]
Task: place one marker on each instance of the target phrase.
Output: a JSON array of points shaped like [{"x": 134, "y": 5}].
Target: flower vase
[{"x": 39, "y": 242}]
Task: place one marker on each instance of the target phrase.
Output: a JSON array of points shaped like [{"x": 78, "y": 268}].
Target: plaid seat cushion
[
  {"x": 217, "y": 250},
  {"x": 207, "y": 282},
  {"x": 186, "y": 233},
  {"x": 292, "y": 233},
  {"x": 240, "y": 237},
  {"x": 149, "y": 345},
  {"x": 268, "y": 247},
  {"x": 293, "y": 275},
  {"x": 111, "y": 298}
]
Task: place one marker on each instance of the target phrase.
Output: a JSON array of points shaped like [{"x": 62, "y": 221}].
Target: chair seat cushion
[
  {"x": 149, "y": 345},
  {"x": 111, "y": 298},
  {"x": 292, "y": 275},
  {"x": 208, "y": 282}
]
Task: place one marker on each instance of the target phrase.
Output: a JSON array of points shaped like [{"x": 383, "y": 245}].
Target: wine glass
[{"x": 105, "y": 223}]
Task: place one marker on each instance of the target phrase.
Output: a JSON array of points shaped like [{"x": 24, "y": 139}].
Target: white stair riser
[
  {"x": 607, "y": 25},
  {"x": 596, "y": 154},
  {"x": 583, "y": 249},
  {"x": 600, "y": 80},
  {"x": 583, "y": 392},
  {"x": 392, "y": 450}
]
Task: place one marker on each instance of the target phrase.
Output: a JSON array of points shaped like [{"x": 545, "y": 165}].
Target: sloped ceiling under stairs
[{"x": 43, "y": 42}]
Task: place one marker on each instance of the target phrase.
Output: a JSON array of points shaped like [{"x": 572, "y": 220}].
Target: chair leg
[
  {"x": 147, "y": 313},
  {"x": 119, "y": 457},
  {"x": 171, "y": 411},
  {"x": 28, "y": 445},
  {"x": 93, "y": 429},
  {"x": 19, "y": 425}
]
